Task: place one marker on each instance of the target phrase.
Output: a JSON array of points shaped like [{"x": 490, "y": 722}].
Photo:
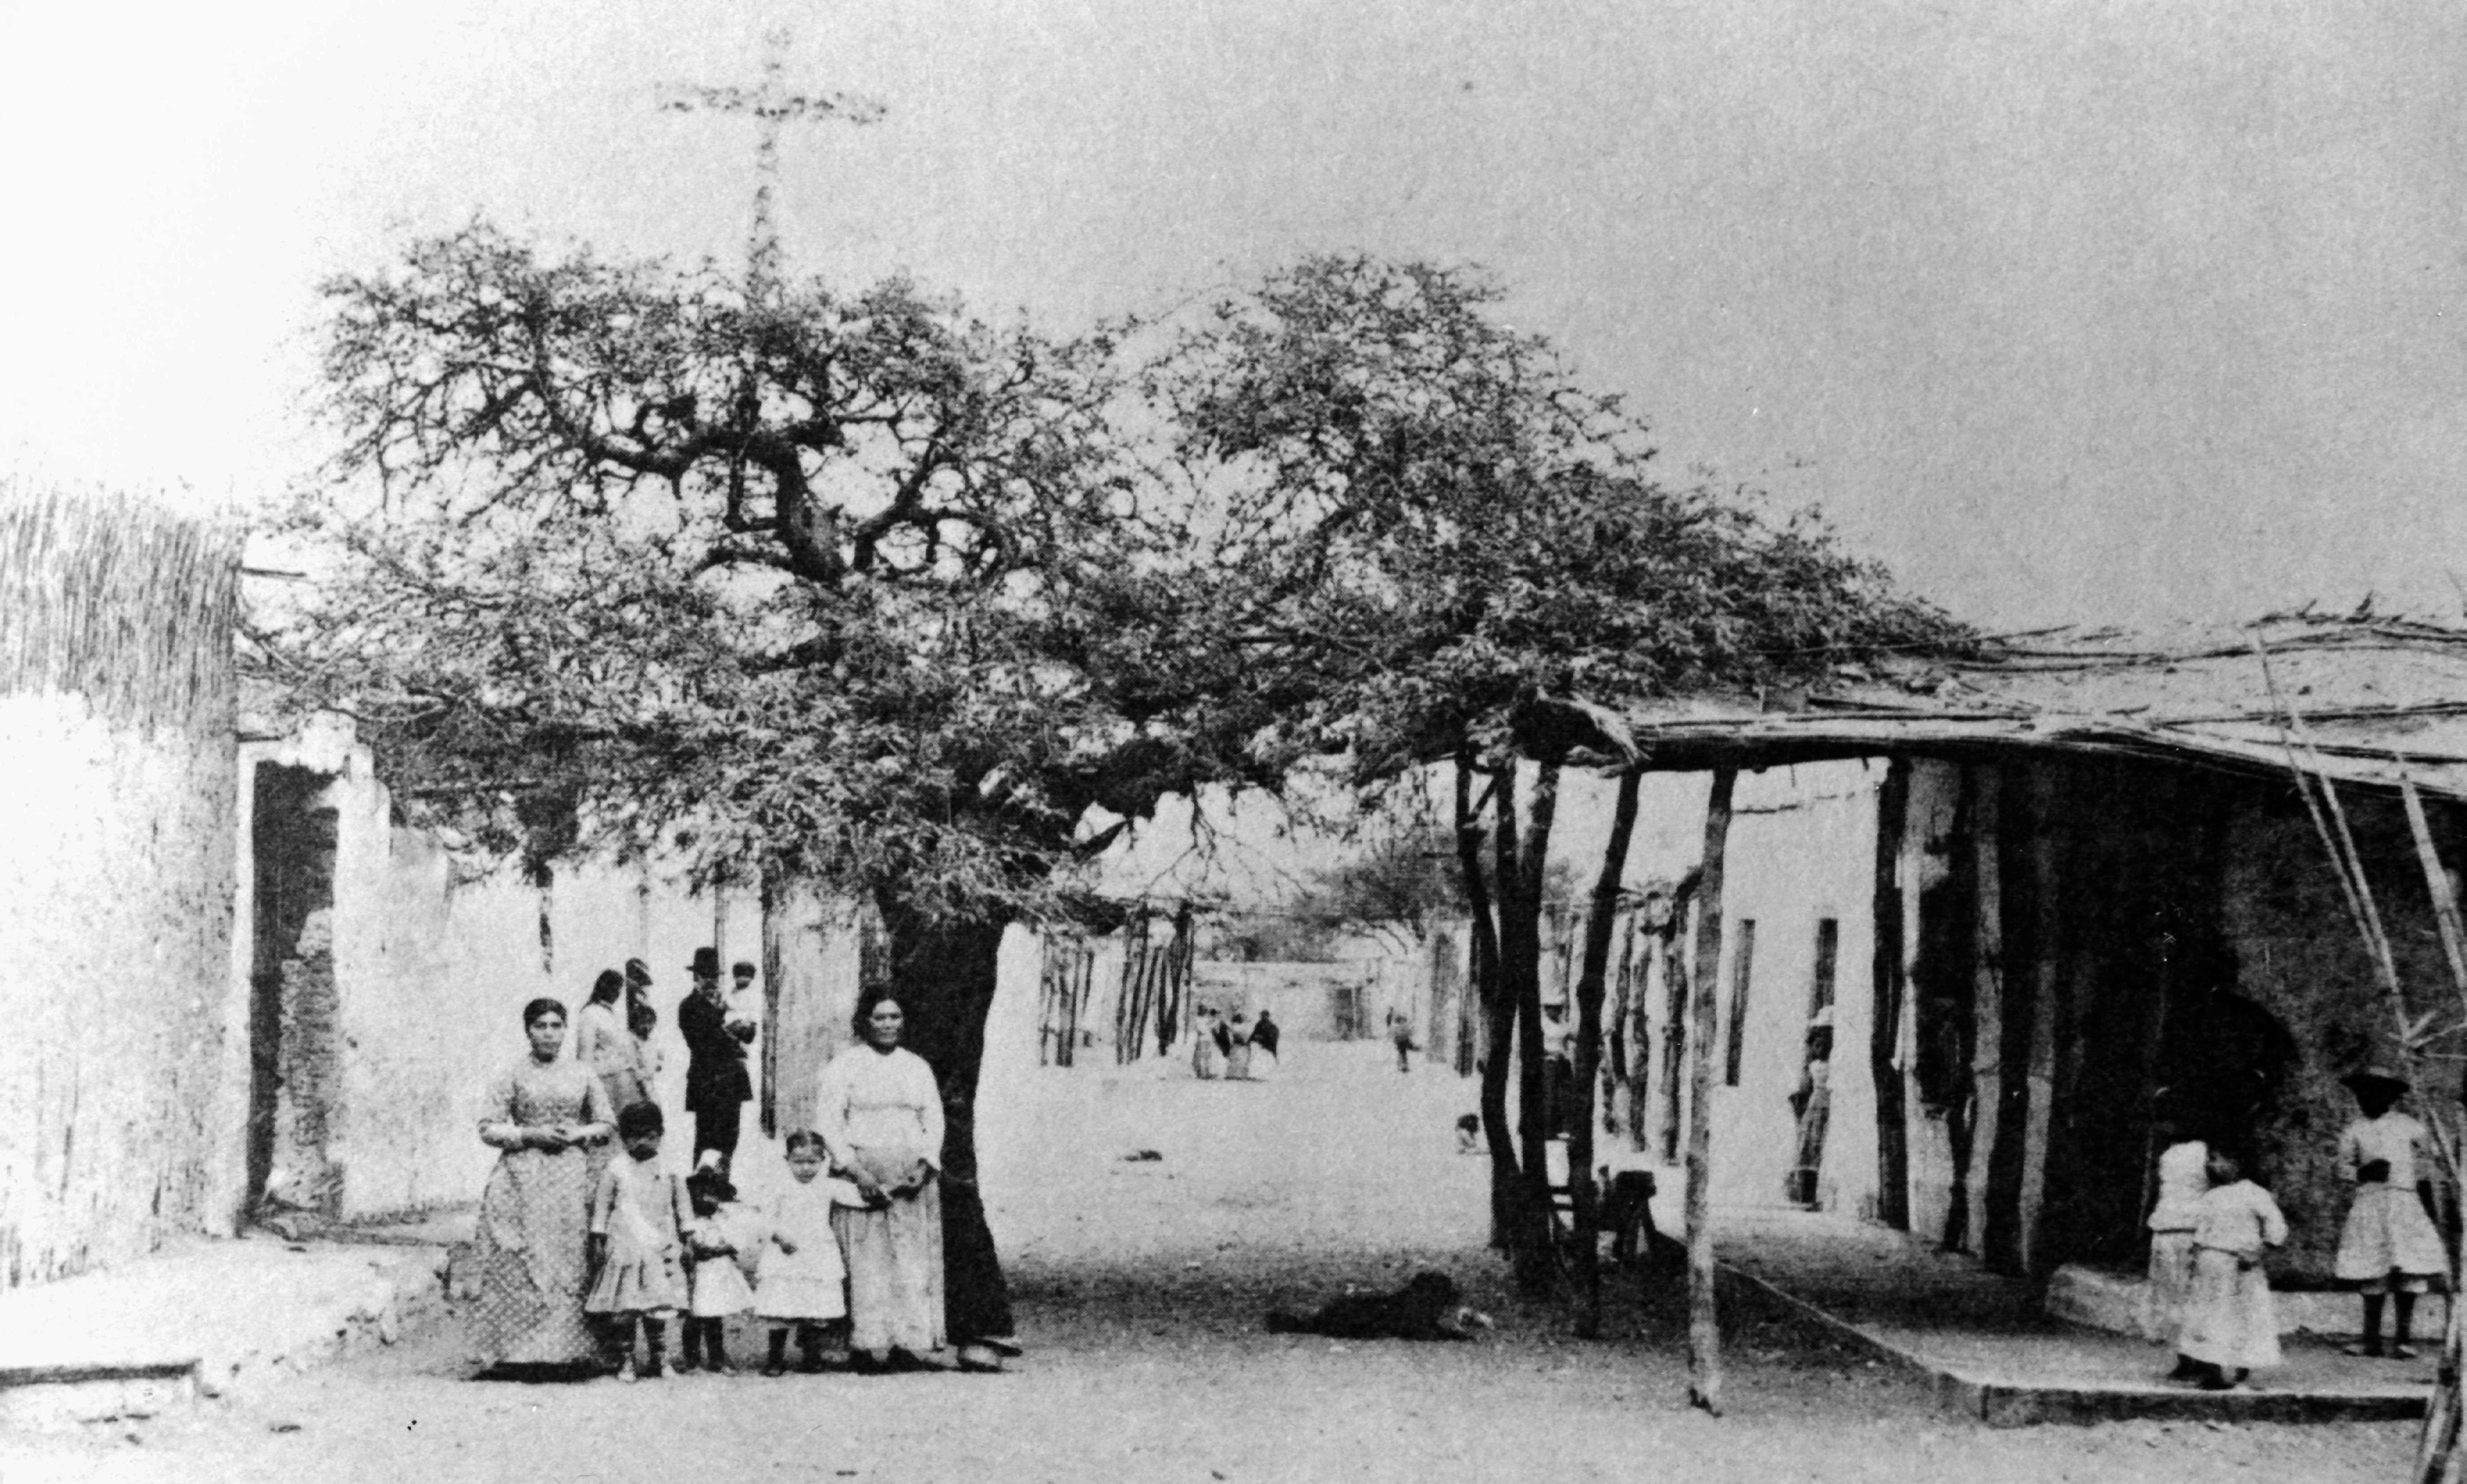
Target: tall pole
[{"x": 1704, "y": 1323}]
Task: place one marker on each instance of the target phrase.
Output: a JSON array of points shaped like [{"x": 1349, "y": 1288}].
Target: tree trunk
[
  {"x": 1490, "y": 996},
  {"x": 1523, "y": 862},
  {"x": 1704, "y": 1321},
  {"x": 1600, "y": 927},
  {"x": 944, "y": 975}
]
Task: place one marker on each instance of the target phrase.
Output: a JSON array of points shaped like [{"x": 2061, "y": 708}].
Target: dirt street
[{"x": 1141, "y": 1286}]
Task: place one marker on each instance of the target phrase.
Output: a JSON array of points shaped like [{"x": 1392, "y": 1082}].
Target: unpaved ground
[{"x": 1141, "y": 1286}]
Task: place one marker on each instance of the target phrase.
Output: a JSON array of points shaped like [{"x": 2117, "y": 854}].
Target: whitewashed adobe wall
[
  {"x": 116, "y": 809},
  {"x": 431, "y": 968}
]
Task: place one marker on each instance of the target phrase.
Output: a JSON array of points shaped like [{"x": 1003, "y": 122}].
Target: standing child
[
  {"x": 2389, "y": 1246},
  {"x": 2183, "y": 1178},
  {"x": 2230, "y": 1324},
  {"x": 804, "y": 1283},
  {"x": 724, "y": 1239},
  {"x": 636, "y": 1219}
]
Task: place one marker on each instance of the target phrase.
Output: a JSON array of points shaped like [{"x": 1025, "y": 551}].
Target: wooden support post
[
  {"x": 1987, "y": 1000},
  {"x": 1600, "y": 925},
  {"x": 2050, "y": 1020},
  {"x": 1703, "y": 1319}
]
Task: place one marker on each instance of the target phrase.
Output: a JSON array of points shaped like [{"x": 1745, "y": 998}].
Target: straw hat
[{"x": 2375, "y": 1076}]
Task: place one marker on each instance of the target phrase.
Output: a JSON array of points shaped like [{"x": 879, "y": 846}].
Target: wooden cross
[{"x": 771, "y": 105}]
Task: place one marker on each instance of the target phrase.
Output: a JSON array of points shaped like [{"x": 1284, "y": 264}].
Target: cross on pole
[{"x": 770, "y": 104}]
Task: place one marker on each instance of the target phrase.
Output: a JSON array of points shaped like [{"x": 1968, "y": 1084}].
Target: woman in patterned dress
[
  {"x": 552, "y": 1120},
  {"x": 880, "y": 1115}
]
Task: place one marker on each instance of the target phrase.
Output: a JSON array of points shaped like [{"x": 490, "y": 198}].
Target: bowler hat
[
  {"x": 2376, "y": 1076},
  {"x": 706, "y": 963}
]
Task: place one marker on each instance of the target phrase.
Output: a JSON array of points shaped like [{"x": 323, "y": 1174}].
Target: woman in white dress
[{"x": 880, "y": 1115}]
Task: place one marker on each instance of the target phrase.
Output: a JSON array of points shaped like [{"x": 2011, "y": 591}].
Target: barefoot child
[
  {"x": 804, "y": 1282},
  {"x": 2230, "y": 1325},
  {"x": 2389, "y": 1246},
  {"x": 724, "y": 1240},
  {"x": 636, "y": 1243}
]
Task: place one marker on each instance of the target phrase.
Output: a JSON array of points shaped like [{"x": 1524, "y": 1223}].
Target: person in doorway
[
  {"x": 1265, "y": 1035},
  {"x": 717, "y": 1084},
  {"x": 2389, "y": 1247},
  {"x": 2230, "y": 1323},
  {"x": 550, "y": 1120},
  {"x": 880, "y": 1115},
  {"x": 604, "y": 1043},
  {"x": 2183, "y": 1178},
  {"x": 1400, "y": 1031}
]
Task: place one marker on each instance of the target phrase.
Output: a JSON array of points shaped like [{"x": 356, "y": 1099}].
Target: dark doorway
[{"x": 293, "y": 1031}]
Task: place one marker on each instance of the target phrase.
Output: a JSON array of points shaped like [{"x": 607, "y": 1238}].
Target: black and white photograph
[{"x": 1060, "y": 740}]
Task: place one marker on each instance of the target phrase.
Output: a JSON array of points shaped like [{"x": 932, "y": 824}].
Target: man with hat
[
  {"x": 717, "y": 1085},
  {"x": 2389, "y": 1246}
]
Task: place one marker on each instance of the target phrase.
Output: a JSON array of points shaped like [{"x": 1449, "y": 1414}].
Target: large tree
[
  {"x": 1423, "y": 510},
  {"x": 814, "y": 587}
]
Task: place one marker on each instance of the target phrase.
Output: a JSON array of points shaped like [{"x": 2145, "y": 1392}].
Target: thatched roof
[{"x": 2381, "y": 696}]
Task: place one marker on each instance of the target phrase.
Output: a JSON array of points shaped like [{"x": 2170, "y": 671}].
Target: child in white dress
[
  {"x": 2389, "y": 1246},
  {"x": 2183, "y": 1178},
  {"x": 2230, "y": 1323},
  {"x": 636, "y": 1246},
  {"x": 803, "y": 1283}
]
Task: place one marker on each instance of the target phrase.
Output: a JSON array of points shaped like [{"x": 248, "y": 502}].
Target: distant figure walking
[
  {"x": 1237, "y": 1050},
  {"x": 1207, "y": 1057},
  {"x": 1400, "y": 1031},
  {"x": 1265, "y": 1036}
]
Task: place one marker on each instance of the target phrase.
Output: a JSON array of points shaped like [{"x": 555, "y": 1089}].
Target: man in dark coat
[{"x": 717, "y": 1085}]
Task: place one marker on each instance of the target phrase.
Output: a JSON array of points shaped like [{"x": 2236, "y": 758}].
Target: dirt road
[{"x": 1141, "y": 1286}]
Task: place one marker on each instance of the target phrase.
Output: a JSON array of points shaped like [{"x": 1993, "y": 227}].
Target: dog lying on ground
[
  {"x": 1468, "y": 1134},
  {"x": 1423, "y": 1308}
]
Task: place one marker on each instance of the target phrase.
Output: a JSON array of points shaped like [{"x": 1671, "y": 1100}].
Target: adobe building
[
  {"x": 2020, "y": 905},
  {"x": 117, "y": 695}
]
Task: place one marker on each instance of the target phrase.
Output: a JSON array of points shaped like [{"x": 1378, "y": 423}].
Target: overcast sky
[{"x": 2069, "y": 310}]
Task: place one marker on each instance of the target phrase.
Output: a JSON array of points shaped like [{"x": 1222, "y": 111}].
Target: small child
[
  {"x": 724, "y": 1240},
  {"x": 2183, "y": 1178},
  {"x": 2230, "y": 1324},
  {"x": 804, "y": 1285},
  {"x": 2389, "y": 1244},
  {"x": 638, "y": 1214}
]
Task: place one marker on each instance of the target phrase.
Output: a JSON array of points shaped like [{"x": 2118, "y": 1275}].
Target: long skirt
[
  {"x": 895, "y": 1265},
  {"x": 1237, "y": 1063},
  {"x": 530, "y": 1253},
  {"x": 2231, "y": 1320},
  {"x": 2170, "y": 1291}
]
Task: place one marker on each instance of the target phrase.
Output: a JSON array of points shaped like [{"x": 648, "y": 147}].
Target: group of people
[
  {"x": 1227, "y": 1045},
  {"x": 2212, "y": 1226},
  {"x": 589, "y": 1244}
]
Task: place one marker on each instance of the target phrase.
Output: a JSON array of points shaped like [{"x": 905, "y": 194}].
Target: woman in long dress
[
  {"x": 1237, "y": 1059},
  {"x": 604, "y": 1043},
  {"x": 551, "y": 1121},
  {"x": 880, "y": 1115}
]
